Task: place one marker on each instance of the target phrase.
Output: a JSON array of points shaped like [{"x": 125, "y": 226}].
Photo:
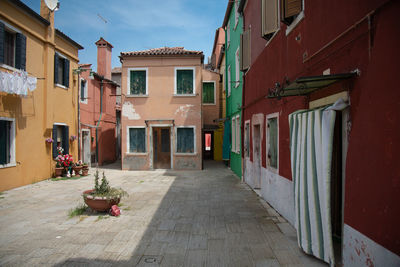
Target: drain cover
[{"x": 151, "y": 260}]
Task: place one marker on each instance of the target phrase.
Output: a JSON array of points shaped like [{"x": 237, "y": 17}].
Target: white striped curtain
[{"x": 311, "y": 138}]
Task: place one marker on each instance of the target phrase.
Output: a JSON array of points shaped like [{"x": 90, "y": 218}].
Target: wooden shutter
[
  {"x": 20, "y": 50},
  {"x": 56, "y": 68},
  {"x": 66, "y": 73},
  {"x": 1, "y": 42},
  {"x": 55, "y": 141},
  {"x": 290, "y": 8},
  {"x": 245, "y": 54},
  {"x": 270, "y": 22}
]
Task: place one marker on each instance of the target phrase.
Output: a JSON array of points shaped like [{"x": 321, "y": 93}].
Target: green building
[{"x": 233, "y": 26}]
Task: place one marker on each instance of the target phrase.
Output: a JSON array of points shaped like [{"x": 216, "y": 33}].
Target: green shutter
[
  {"x": 185, "y": 140},
  {"x": 208, "y": 93},
  {"x": 55, "y": 153},
  {"x": 20, "y": 51},
  {"x": 56, "y": 68},
  {"x": 137, "y": 140},
  {"x": 2, "y": 32},
  {"x": 138, "y": 82},
  {"x": 65, "y": 140},
  {"x": 4, "y": 142},
  {"x": 66, "y": 73},
  {"x": 184, "y": 82}
]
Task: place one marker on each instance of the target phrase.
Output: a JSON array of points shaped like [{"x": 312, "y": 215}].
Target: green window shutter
[
  {"x": 185, "y": 140},
  {"x": 273, "y": 142},
  {"x": 56, "y": 68},
  {"x": 4, "y": 142},
  {"x": 137, "y": 140},
  {"x": 55, "y": 141},
  {"x": 184, "y": 82},
  {"x": 66, "y": 73},
  {"x": 65, "y": 140},
  {"x": 138, "y": 82},
  {"x": 20, "y": 51},
  {"x": 208, "y": 93},
  {"x": 2, "y": 32}
]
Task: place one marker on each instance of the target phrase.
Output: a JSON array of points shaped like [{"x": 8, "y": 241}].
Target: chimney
[
  {"x": 47, "y": 14},
  {"x": 104, "y": 49}
]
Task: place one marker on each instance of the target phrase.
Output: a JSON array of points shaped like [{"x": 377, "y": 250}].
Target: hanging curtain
[{"x": 311, "y": 139}]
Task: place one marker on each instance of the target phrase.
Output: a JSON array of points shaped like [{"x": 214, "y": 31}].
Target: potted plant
[
  {"x": 77, "y": 167},
  {"x": 85, "y": 169},
  {"x": 103, "y": 196},
  {"x": 59, "y": 162}
]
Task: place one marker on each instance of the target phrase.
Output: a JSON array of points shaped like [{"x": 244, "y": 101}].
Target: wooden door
[
  {"x": 86, "y": 154},
  {"x": 161, "y": 148}
]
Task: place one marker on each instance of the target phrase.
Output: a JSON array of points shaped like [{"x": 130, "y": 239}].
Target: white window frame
[
  {"x": 128, "y": 82},
  {"x": 229, "y": 80},
  {"x": 237, "y": 134},
  {"x": 228, "y": 34},
  {"x": 233, "y": 134},
  {"x": 237, "y": 67},
  {"x": 246, "y": 137},
  {"x": 128, "y": 140},
  {"x": 215, "y": 94},
  {"x": 65, "y": 58},
  {"x": 85, "y": 91},
  {"x": 176, "y": 77},
  {"x": 267, "y": 117},
  {"x": 12, "y": 143},
  {"x": 236, "y": 13},
  {"x": 194, "y": 140}
]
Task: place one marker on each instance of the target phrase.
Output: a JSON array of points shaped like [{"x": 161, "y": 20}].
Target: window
[
  {"x": 247, "y": 139},
  {"x": 269, "y": 18},
  {"x": 12, "y": 47},
  {"x": 184, "y": 81},
  {"x": 185, "y": 140},
  {"x": 137, "y": 81},
  {"x": 61, "y": 138},
  {"x": 290, "y": 9},
  {"x": 84, "y": 91},
  {"x": 136, "y": 139},
  {"x": 208, "y": 92},
  {"x": 229, "y": 80},
  {"x": 237, "y": 68},
  {"x": 233, "y": 133},
  {"x": 245, "y": 54},
  {"x": 272, "y": 141},
  {"x": 237, "y": 134},
  {"x": 61, "y": 70},
  {"x": 7, "y": 142}
]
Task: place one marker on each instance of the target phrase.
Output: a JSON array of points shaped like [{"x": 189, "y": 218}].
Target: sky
[{"x": 132, "y": 25}]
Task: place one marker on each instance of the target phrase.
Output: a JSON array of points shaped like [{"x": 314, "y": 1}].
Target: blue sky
[{"x": 138, "y": 24}]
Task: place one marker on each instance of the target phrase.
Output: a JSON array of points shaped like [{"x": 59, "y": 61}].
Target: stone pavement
[{"x": 170, "y": 218}]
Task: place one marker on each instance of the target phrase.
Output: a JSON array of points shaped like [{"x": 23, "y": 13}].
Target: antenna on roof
[{"x": 105, "y": 24}]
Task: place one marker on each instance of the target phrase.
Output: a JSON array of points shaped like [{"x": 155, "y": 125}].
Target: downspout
[
  {"x": 79, "y": 118},
  {"x": 98, "y": 122}
]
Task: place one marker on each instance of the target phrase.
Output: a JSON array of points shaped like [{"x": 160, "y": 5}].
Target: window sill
[
  {"x": 143, "y": 96},
  {"x": 83, "y": 102},
  {"x": 273, "y": 37},
  {"x": 236, "y": 152},
  {"x": 185, "y": 154},
  {"x": 209, "y": 104},
  {"x": 294, "y": 24},
  {"x": 186, "y": 95},
  {"x": 8, "y": 165},
  {"x": 272, "y": 169},
  {"x": 61, "y": 86},
  {"x": 8, "y": 67},
  {"x": 136, "y": 154}
]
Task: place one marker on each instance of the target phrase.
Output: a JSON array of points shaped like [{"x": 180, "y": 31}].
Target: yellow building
[{"x": 38, "y": 94}]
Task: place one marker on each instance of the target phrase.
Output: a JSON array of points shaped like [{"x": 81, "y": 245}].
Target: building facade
[
  {"x": 38, "y": 92},
  {"x": 320, "y": 113},
  {"x": 161, "y": 116},
  {"x": 98, "y": 109},
  {"x": 233, "y": 28}
]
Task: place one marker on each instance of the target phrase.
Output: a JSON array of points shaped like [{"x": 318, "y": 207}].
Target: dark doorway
[
  {"x": 161, "y": 148},
  {"x": 257, "y": 156},
  {"x": 208, "y": 145}
]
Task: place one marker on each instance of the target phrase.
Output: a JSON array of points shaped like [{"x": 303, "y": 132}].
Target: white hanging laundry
[{"x": 17, "y": 83}]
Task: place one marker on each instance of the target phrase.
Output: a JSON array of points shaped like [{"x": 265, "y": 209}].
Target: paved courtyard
[{"x": 170, "y": 218}]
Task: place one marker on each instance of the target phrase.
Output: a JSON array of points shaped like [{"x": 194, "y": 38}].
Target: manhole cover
[{"x": 151, "y": 259}]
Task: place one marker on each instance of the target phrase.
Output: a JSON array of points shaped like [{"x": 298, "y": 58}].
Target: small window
[
  {"x": 247, "y": 139},
  {"x": 61, "y": 70},
  {"x": 233, "y": 133},
  {"x": 12, "y": 47},
  {"x": 185, "y": 140},
  {"x": 84, "y": 91},
  {"x": 229, "y": 81},
  {"x": 272, "y": 142},
  {"x": 137, "y": 82},
  {"x": 61, "y": 139},
  {"x": 290, "y": 9},
  {"x": 237, "y": 134},
  {"x": 208, "y": 92},
  {"x": 237, "y": 68},
  {"x": 269, "y": 18},
  {"x": 7, "y": 144},
  {"x": 245, "y": 53},
  {"x": 184, "y": 81},
  {"x": 137, "y": 140}
]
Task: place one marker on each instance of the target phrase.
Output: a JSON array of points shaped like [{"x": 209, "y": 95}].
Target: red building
[
  {"x": 98, "y": 109},
  {"x": 306, "y": 55}
]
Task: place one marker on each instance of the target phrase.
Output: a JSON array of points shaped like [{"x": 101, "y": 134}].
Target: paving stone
[
  {"x": 196, "y": 258},
  {"x": 198, "y": 242}
]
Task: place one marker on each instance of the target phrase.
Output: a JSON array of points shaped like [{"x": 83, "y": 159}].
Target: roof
[
  {"x": 116, "y": 70},
  {"x": 102, "y": 41},
  {"x": 30, "y": 12},
  {"x": 66, "y": 37},
  {"x": 162, "y": 51},
  {"x": 227, "y": 13}
]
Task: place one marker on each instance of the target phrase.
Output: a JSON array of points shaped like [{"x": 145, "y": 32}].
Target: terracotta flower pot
[
  {"x": 59, "y": 172},
  {"x": 77, "y": 170},
  {"x": 85, "y": 170},
  {"x": 99, "y": 203}
]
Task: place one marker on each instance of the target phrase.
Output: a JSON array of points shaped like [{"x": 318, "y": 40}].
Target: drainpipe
[
  {"x": 98, "y": 122},
  {"x": 79, "y": 118}
]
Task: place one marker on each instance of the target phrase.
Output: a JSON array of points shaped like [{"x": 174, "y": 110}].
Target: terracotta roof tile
[{"x": 162, "y": 51}]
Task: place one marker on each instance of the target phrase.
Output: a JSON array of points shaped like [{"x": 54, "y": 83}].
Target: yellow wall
[{"x": 35, "y": 114}]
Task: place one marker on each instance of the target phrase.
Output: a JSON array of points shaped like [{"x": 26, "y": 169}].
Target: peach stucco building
[{"x": 162, "y": 117}]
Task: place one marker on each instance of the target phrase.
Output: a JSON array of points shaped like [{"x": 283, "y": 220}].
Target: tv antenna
[{"x": 105, "y": 23}]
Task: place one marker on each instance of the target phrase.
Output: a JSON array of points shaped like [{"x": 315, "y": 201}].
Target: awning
[{"x": 307, "y": 85}]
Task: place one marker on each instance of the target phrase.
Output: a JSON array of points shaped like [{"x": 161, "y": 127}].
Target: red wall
[{"x": 372, "y": 188}]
